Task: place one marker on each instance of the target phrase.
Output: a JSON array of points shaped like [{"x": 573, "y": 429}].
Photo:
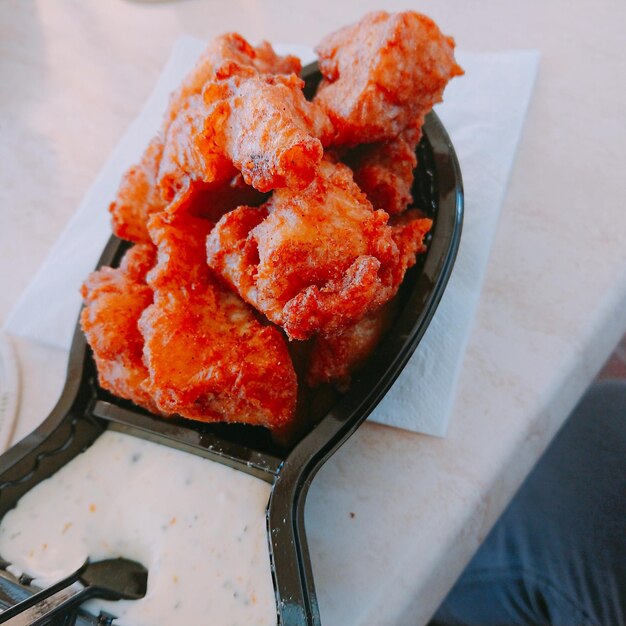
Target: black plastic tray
[{"x": 84, "y": 410}]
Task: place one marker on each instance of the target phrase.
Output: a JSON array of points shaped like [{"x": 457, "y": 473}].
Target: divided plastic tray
[{"x": 84, "y": 410}]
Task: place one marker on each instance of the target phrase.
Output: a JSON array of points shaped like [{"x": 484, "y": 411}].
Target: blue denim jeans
[{"x": 558, "y": 553}]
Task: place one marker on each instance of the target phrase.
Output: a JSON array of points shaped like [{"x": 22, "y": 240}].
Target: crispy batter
[
  {"x": 208, "y": 357},
  {"x": 262, "y": 125},
  {"x": 273, "y": 135},
  {"x": 317, "y": 260},
  {"x": 408, "y": 231},
  {"x": 114, "y": 300},
  {"x": 383, "y": 74},
  {"x": 334, "y": 358},
  {"x": 384, "y": 171},
  {"x": 229, "y": 54},
  {"x": 189, "y": 151},
  {"x": 137, "y": 197},
  {"x": 190, "y": 155}
]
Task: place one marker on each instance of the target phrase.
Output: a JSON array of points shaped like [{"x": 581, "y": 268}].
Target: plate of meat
[{"x": 278, "y": 253}]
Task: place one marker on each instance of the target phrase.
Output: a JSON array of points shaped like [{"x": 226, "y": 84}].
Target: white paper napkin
[{"x": 484, "y": 113}]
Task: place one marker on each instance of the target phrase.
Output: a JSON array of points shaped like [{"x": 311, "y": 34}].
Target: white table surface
[{"x": 73, "y": 74}]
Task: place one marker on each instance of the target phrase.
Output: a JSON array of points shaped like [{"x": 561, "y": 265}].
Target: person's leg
[{"x": 558, "y": 553}]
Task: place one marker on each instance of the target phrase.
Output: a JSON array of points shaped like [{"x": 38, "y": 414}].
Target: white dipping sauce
[{"x": 198, "y": 526}]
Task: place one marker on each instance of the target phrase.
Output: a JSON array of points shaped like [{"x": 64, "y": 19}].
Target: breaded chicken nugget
[
  {"x": 114, "y": 300},
  {"x": 320, "y": 256},
  {"x": 334, "y": 358},
  {"x": 208, "y": 356},
  {"x": 260, "y": 125},
  {"x": 273, "y": 135},
  {"x": 384, "y": 171},
  {"x": 318, "y": 260},
  {"x": 383, "y": 74},
  {"x": 227, "y": 55},
  {"x": 186, "y": 151},
  {"x": 192, "y": 156},
  {"x": 138, "y": 196}
]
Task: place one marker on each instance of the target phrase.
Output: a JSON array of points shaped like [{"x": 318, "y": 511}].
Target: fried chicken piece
[
  {"x": 334, "y": 358},
  {"x": 229, "y": 54},
  {"x": 199, "y": 145},
  {"x": 260, "y": 125},
  {"x": 408, "y": 231},
  {"x": 317, "y": 260},
  {"x": 190, "y": 155},
  {"x": 208, "y": 356},
  {"x": 383, "y": 74},
  {"x": 384, "y": 171},
  {"x": 138, "y": 197},
  {"x": 273, "y": 135},
  {"x": 114, "y": 299}
]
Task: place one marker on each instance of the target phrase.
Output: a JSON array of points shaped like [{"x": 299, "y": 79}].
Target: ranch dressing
[{"x": 198, "y": 526}]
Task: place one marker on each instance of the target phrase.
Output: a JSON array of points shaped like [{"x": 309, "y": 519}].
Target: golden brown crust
[
  {"x": 261, "y": 126},
  {"x": 335, "y": 358},
  {"x": 114, "y": 300},
  {"x": 273, "y": 135},
  {"x": 191, "y": 155},
  {"x": 138, "y": 196},
  {"x": 208, "y": 356},
  {"x": 183, "y": 154},
  {"x": 227, "y": 55},
  {"x": 384, "y": 171},
  {"x": 317, "y": 260},
  {"x": 383, "y": 74}
]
